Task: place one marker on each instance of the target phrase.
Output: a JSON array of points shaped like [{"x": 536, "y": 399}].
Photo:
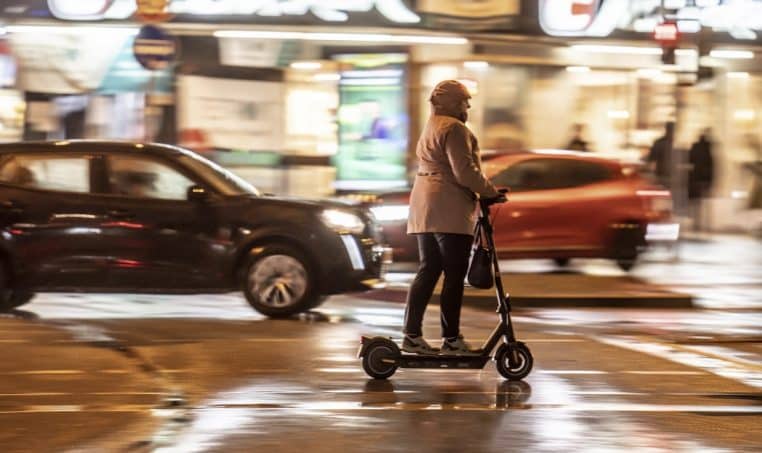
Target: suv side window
[
  {"x": 47, "y": 172},
  {"x": 142, "y": 177},
  {"x": 544, "y": 174},
  {"x": 576, "y": 173},
  {"x": 581, "y": 173},
  {"x": 532, "y": 174}
]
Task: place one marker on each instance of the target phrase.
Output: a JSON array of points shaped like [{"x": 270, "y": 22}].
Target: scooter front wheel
[
  {"x": 514, "y": 362},
  {"x": 378, "y": 361}
]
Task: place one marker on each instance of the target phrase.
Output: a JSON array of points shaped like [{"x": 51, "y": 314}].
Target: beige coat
[{"x": 449, "y": 174}]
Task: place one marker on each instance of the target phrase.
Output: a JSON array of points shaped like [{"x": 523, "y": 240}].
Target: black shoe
[
  {"x": 417, "y": 345},
  {"x": 457, "y": 346}
]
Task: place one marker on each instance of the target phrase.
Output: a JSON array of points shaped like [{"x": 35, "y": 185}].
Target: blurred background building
[{"x": 312, "y": 97}]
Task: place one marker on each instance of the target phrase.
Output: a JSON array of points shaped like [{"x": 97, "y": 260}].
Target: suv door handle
[{"x": 120, "y": 214}]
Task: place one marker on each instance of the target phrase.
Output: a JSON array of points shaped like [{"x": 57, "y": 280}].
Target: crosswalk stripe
[{"x": 711, "y": 363}]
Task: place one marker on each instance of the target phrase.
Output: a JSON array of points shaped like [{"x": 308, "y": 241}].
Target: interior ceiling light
[
  {"x": 345, "y": 37},
  {"x": 306, "y": 65},
  {"x": 732, "y": 54},
  {"x": 71, "y": 30},
  {"x": 475, "y": 64},
  {"x": 599, "y": 48},
  {"x": 649, "y": 72}
]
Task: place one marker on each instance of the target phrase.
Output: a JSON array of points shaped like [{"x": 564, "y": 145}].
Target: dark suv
[{"x": 101, "y": 216}]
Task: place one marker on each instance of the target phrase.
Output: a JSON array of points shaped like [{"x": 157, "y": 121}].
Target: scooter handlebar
[{"x": 486, "y": 202}]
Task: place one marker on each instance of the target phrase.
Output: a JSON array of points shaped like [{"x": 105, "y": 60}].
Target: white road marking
[
  {"x": 36, "y": 394},
  {"x": 572, "y": 372},
  {"x": 341, "y": 370},
  {"x": 667, "y": 373},
  {"x": 42, "y": 372},
  {"x": 727, "y": 368},
  {"x": 576, "y": 407}
]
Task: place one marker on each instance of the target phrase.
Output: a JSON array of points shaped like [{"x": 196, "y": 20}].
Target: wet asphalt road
[{"x": 206, "y": 373}]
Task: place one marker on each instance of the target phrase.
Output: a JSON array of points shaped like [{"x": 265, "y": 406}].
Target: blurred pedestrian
[
  {"x": 755, "y": 168},
  {"x": 700, "y": 178},
  {"x": 577, "y": 143},
  {"x": 660, "y": 156},
  {"x": 443, "y": 214}
]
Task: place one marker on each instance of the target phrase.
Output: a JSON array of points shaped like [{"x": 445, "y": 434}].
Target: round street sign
[{"x": 154, "y": 48}]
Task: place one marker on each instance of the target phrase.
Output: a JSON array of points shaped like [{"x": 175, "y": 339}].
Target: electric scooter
[{"x": 381, "y": 356}]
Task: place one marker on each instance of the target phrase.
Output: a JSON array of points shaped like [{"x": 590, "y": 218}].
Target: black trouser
[{"x": 439, "y": 252}]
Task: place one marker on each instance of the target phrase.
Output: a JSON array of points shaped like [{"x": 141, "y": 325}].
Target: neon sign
[
  {"x": 326, "y": 10},
  {"x": 742, "y": 19}
]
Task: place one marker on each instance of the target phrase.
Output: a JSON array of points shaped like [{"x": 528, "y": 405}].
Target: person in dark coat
[
  {"x": 577, "y": 143},
  {"x": 660, "y": 157},
  {"x": 442, "y": 216},
  {"x": 701, "y": 176}
]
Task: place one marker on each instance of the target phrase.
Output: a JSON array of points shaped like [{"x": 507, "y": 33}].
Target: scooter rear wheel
[
  {"x": 514, "y": 369},
  {"x": 374, "y": 361}
]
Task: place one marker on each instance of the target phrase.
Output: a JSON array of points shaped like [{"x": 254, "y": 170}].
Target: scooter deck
[{"x": 439, "y": 361}]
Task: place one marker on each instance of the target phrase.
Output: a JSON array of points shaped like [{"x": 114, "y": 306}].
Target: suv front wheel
[{"x": 279, "y": 282}]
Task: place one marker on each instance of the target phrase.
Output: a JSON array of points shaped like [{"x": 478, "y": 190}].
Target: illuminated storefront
[{"x": 313, "y": 114}]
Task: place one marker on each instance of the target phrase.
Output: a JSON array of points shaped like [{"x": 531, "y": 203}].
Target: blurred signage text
[
  {"x": 326, "y": 10},
  {"x": 742, "y": 19},
  {"x": 470, "y": 8}
]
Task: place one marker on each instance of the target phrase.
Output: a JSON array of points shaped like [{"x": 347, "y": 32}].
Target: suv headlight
[{"x": 343, "y": 221}]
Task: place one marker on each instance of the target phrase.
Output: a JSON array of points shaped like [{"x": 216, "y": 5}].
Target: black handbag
[{"x": 480, "y": 272}]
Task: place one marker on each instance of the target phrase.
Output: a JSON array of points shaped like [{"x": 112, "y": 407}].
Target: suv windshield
[{"x": 223, "y": 180}]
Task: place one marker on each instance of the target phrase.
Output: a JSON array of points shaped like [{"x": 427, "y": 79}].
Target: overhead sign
[
  {"x": 330, "y": 11},
  {"x": 76, "y": 64},
  {"x": 742, "y": 19},
  {"x": 152, "y": 10},
  {"x": 470, "y": 8},
  {"x": 569, "y": 17},
  {"x": 471, "y": 15},
  {"x": 154, "y": 48}
]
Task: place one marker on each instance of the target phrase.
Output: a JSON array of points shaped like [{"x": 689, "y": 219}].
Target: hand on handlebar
[{"x": 495, "y": 200}]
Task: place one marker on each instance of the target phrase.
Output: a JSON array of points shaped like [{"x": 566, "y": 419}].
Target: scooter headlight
[{"x": 343, "y": 221}]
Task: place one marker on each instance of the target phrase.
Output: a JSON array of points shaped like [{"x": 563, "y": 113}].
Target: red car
[{"x": 562, "y": 205}]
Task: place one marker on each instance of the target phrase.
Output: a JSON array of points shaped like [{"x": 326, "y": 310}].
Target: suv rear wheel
[
  {"x": 9, "y": 298},
  {"x": 279, "y": 282},
  {"x": 627, "y": 241}
]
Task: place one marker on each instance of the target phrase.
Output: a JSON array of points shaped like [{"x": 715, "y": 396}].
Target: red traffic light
[{"x": 667, "y": 34}]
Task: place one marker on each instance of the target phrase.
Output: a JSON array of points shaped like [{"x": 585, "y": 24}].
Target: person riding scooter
[{"x": 442, "y": 215}]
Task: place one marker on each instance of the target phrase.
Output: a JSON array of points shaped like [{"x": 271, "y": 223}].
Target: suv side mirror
[{"x": 197, "y": 194}]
